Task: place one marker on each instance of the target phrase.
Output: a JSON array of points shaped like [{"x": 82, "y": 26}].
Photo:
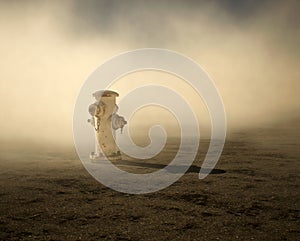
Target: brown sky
[{"x": 250, "y": 49}]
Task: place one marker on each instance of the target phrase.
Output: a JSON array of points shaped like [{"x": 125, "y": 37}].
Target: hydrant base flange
[{"x": 98, "y": 158}]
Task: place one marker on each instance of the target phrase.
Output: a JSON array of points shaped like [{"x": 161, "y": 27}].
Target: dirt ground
[{"x": 253, "y": 194}]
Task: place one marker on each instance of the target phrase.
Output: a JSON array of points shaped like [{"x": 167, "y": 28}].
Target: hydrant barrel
[{"x": 105, "y": 122}]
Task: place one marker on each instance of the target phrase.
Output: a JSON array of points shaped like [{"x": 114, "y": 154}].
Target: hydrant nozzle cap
[{"x": 104, "y": 93}]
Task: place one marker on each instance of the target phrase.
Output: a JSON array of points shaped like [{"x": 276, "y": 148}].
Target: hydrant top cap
[{"x": 105, "y": 93}]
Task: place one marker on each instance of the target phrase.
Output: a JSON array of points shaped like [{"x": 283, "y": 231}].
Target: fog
[{"x": 48, "y": 49}]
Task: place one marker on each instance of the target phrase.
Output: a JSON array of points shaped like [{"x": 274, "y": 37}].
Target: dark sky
[{"x": 147, "y": 18}]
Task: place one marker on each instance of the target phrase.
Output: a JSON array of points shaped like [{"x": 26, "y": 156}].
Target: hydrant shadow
[{"x": 170, "y": 168}]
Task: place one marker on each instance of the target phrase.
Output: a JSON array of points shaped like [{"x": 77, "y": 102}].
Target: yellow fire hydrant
[{"x": 105, "y": 122}]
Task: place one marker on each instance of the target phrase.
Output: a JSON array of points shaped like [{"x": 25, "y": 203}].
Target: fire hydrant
[{"x": 105, "y": 122}]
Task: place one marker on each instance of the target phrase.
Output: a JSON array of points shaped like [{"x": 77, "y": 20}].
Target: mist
[{"x": 48, "y": 49}]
